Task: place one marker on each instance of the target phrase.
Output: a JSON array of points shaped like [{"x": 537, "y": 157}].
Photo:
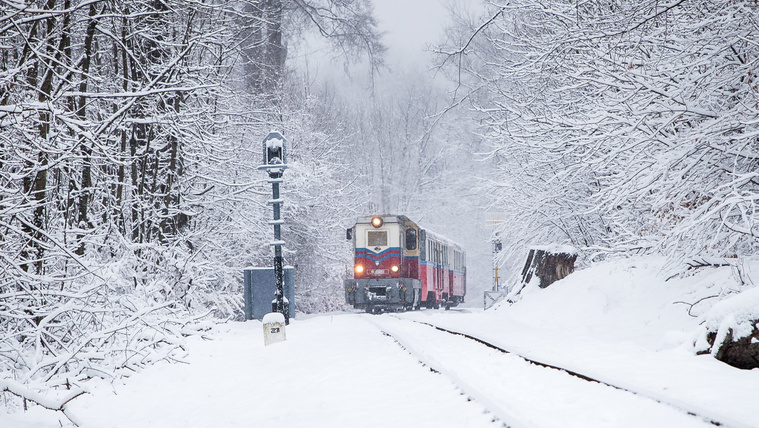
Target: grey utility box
[{"x": 259, "y": 288}]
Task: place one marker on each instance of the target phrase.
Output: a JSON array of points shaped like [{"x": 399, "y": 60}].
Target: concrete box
[{"x": 274, "y": 328}]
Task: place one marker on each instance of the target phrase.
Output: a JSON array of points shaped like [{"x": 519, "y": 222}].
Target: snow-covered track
[
  {"x": 523, "y": 392},
  {"x": 434, "y": 365},
  {"x": 652, "y": 395}
]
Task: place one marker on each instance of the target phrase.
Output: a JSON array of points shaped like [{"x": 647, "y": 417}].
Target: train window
[
  {"x": 411, "y": 238},
  {"x": 376, "y": 238}
]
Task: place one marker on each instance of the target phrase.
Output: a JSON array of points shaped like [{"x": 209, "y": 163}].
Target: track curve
[{"x": 524, "y": 392}]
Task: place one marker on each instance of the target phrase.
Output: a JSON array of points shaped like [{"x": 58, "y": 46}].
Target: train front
[{"x": 385, "y": 271}]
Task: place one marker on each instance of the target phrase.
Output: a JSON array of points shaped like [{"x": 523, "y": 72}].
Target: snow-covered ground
[{"x": 620, "y": 321}]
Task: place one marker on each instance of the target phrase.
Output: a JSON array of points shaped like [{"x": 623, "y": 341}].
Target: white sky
[{"x": 411, "y": 26}]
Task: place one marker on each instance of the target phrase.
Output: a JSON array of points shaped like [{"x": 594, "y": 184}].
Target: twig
[
  {"x": 19, "y": 390},
  {"x": 695, "y": 303}
]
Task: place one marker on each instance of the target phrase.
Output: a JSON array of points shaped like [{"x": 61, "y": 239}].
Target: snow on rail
[
  {"x": 648, "y": 376},
  {"x": 523, "y": 394}
]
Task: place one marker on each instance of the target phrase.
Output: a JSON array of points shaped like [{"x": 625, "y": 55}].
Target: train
[{"x": 400, "y": 266}]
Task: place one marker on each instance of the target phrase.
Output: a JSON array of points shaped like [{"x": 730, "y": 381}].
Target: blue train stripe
[
  {"x": 365, "y": 253},
  {"x": 368, "y": 251},
  {"x": 374, "y": 259}
]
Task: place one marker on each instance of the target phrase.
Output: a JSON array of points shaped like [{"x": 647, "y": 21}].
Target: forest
[{"x": 130, "y": 133}]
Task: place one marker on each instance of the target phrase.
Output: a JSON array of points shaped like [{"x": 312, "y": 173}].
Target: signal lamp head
[{"x": 377, "y": 222}]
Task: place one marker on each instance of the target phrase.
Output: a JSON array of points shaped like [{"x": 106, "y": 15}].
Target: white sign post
[{"x": 274, "y": 328}]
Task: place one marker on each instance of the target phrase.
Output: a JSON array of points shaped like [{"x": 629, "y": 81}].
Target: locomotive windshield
[
  {"x": 411, "y": 239},
  {"x": 377, "y": 238}
]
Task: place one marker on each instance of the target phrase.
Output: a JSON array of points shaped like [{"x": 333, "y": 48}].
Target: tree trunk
[
  {"x": 263, "y": 52},
  {"x": 36, "y": 188},
  {"x": 86, "y": 183},
  {"x": 549, "y": 265}
]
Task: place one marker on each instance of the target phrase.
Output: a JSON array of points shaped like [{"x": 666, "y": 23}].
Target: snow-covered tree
[
  {"x": 129, "y": 198},
  {"x": 619, "y": 126}
]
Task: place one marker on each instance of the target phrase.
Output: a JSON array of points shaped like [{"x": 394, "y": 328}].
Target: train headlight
[
  {"x": 359, "y": 269},
  {"x": 394, "y": 269},
  {"x": 377, "y": 222}
]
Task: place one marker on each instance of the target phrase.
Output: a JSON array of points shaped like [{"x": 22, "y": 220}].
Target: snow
[
  {"x": 620, "y": 321},
  {"x": 275, "y": 143},
  {"x": 556, "y": 249},
  {"x": 742, "y": 307},
  {"x": 736, "y": 315},
  {"x": 333, "y": 371},
  {"x": 623, "y": 322},
  {"x": 273, "y": 317}
]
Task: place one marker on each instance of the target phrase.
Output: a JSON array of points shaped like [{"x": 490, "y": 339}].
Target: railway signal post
[
  {"x": 494, "y": 220},
  {"x": 497, "y": 247},
  {"x": 495, "y": 294},
  {"x": 275, "y": 163}
]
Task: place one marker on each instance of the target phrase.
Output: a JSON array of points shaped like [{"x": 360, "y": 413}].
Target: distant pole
[
  {"x": 275, "y": 164},
  {"x": 497, "y": 246},
  {"x": 494, "y": 220}
]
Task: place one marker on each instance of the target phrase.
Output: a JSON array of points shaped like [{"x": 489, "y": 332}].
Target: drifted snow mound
[
  {"x": 731, "y": 330},
  {"x": 648, "y": 302}
]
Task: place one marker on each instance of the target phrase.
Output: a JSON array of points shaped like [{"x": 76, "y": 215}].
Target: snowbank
[
  {"x": 730, "y": 331},
  {"x": 620, "y": 300},
  {"x": 738, "y": 312}
]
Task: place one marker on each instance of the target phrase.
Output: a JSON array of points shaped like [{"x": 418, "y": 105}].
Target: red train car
[{"x": 400, "y": 266}]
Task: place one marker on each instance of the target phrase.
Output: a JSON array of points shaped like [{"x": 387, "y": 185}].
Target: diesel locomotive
[{"x": 400, "y": 266}]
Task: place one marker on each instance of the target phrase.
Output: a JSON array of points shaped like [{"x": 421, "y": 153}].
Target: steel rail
[{"x": 574, "y": 373}]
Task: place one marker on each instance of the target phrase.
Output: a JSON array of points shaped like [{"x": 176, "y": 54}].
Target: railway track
[{"x": 523, "y": 393}]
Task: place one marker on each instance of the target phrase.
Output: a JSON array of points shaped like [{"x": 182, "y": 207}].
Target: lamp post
[{"x": 274, "y": 162}]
